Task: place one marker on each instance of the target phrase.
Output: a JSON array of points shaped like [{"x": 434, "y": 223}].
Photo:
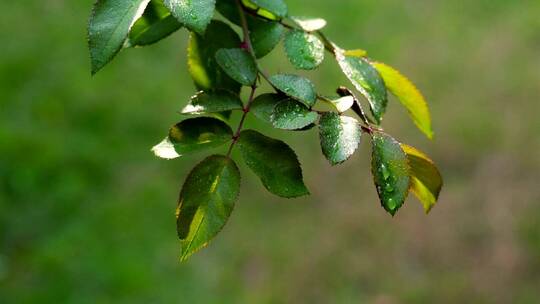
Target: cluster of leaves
[{"x": 221, "y": 63}]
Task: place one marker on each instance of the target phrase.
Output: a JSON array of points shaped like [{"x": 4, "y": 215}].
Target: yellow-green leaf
[
  {"x": 355, "y": 53},
  {"x": 408, "y": 95},
  {"x": 426, "y": 180}
]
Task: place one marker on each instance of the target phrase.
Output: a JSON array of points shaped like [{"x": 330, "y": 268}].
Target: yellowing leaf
[
  {"x": 356, "y": 53},
  {"x": 426, "y": 180},
  {"x": 408, "y": 95}
]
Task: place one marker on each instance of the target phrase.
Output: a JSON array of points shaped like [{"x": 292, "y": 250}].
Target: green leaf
[
  {"x": 238, "y": 64},
  {"x": 109, "y": 27},
  {"x": 366, "y": 80},
  {"x": 202, "y": 63},
  {"x": 309, "y": 24},
  {"x": 391, "y": 172},
  {"x": 263, "y": 106},
  {"x": 305, "y": 51},
  {"x": 426, "y": 180},
  {"x": 267, "y": 8},
  {"x": 155, "y": 24},
  {"x": 408, "y": 95},
  {"x": 265, "y": 35},
  {"x": 213, "y": 102},
  {"x": 297, "y": 87},
  {"x": 193, "y": 135},
  {"x": 206, "y": 202},
  {"x": 292, "y": 115},
  {"x": 274, "y": 162},
  {"x": 194, "y": 14},
  {"x": 340, "y": 137}
]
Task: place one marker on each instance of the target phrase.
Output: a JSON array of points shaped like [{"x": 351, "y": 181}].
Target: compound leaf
[
  {"x": 206, "y": 202},
  {"x": 426, "y": 180},
  {"x": 340, "y": 137},
  {"x": 304, "y": 50},
  {"x": 109, "y": 27},
  {"x": 155, "y": 24},
  {"x": 202, "y": 63},
  {"x": 408, "y": 95},
  {"x": 366, "y": 80},
  {"x": 194, "y": 14},
  {"x": 213, "y": 102},
  {"x": 238, "y": 64},
  {"x": 292, "y": 115},
  {"x": 193, "y": 135},
  {"x": 263, "y": 106},
  {"x": 297, "y": 87},
  {"x": 391, "y": 172},
  {"x": 274, "y": 162}
]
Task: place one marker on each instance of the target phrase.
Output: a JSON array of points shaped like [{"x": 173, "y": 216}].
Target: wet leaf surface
[
  {"x": 366, "y": 80},
  {"x": 297, "y": 87},
  {"x": 340, "y": 137},
  {"x": 292, "y": 115},
  {"x": 390, "y": 169},
  {"x": 305, "y": 51},
  {"x": 263, "y": 106},
  {"x": 195, "y": 15}
]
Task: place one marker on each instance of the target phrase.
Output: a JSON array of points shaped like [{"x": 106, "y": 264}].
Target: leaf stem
[
  {"x": 328, "y": 45},
  {"x": 247, "y": 107}
]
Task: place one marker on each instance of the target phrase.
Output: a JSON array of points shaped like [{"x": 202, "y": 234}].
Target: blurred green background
[{"x": 87, "y": 212}]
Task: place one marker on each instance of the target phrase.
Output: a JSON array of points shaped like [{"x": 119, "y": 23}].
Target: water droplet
[{"x": 385, "y": 172}]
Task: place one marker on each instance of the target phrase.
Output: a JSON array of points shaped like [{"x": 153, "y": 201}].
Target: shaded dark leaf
[
  {"x": 238, "y": 64},
  {"x": 155, "y": 24},
  {"x": 274, "y": 162},
  {"x": 206, "y": 202},
  {"x": 202, "y": 65}
]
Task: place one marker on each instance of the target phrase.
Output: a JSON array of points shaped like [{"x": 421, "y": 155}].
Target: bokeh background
[{"x": 87, "y": 212}]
